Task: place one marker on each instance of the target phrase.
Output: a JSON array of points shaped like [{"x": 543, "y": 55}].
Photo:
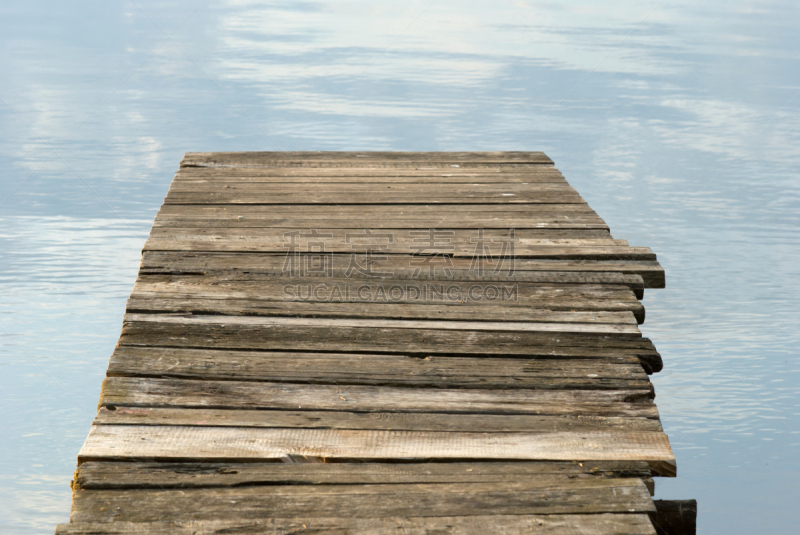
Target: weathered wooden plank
[
  {"x": 390, "y": 421},
  {"x": 234, "y": 332},
  {"x": 559, "y": 283},
  {"x": 390, "y": 325},
  {"x": 490, "y": 172},
  {"x": 547, "y": 226},
  {"x": 259, "y": 284},
  {"x": 364, "y": 501},
  {"x": 372, "y": 211},
  {"x": 193, "y": 333},
  {"x": 361, "y": 211},
  {"x": 245, "y": 242},
  {"x": 380, "y": 178},
  {"x": 142, "y": 475},
  {"x": 186, "y": 393},
  {"x": 475, "y": 187},
  {"x": 199, "y": 262},
  {"x": 358, "y": 159},
  {"x": 184, "y": 302},
  {"x": 397, "y": 240},
  {"x": 390, "y": 370},
  {"x": 245, "y": 268},
  {"x": 120, "y": 442},
  {"x": 540, "y": 495},
  {"x": 540, "y": 225},
  {"x": 380, "y": 296},
  {"x": 455, "y": 242},
  {"x": 595, "y": 524},
  {"x": 370, "y": 196},
  {"x": 227, "y": 377}
]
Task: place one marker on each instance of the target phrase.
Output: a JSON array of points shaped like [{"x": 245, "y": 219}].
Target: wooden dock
[{"x": 378, "y": 343}]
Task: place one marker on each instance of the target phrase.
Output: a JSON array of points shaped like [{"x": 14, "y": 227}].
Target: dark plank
[
  {"x": 271, "y": 294},
  {"x": 569, "y": 312},
  {"x": 675, "y": 517},
  {"x": 388, "y": 370},
  {"x": 358, "y": 159},
  {"x": 237, "y": 332},
  {"x": 538, "y": 496},
  {"x": 397, "y": 421},
  {"x": 198, "y": 262},
  {"x": 546, "y": 226},
  {"x": 141, "y": 475},
  {"x": 475, "y": 187},
  {"x": 186, "y": 393},
  {"x": 413, "y": 173}
]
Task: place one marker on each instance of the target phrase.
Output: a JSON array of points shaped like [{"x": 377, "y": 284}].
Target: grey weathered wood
[
  {"x": 205, "y": 332},
  {"x": 368, "y": 196},
  {"x": 167, "y": 392},
  {"x": 227, "y": 396},
  {"x": 539, "y": 496},
  {"x": 198, "y": 262},
  {"x": 391, "y": 325},
  {"x": 601, "y": 524},
  {"x": 174, "y": 273},
  {"x": 547, "y": 226},
  {"x": 142, "y": 475},
  {"x": 392, "y": 298},
  {"x": 396, "y": 421},
  {"x": 475, "y": 187},
  {"x": 393, "y": 370},
  {"x": 359, "y": 159},
  {"x": 495, "y": 172},
  {"x": 293, "y": 175},
  {"x": 597, "y": 524},
  {"x": 185, "y": 302}
]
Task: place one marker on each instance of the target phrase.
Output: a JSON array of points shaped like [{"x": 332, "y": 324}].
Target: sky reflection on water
[{"x": 678, "y": 122}]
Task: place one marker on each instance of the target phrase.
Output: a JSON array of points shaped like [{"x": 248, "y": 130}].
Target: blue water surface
[{"x": 677, "y": 121}]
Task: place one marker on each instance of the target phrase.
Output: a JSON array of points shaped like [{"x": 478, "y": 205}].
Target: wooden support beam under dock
[{"x": 378, "y": 343}]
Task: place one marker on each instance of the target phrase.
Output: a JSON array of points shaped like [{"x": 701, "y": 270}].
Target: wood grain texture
[
  {"x": 390, "y": 325},
  {"x": 119, "y": 442},
  {"x": 587, "y": 311},
  {"x": 244, "y": 397},
  {"x": 598, "y": 524},
  {"x": 186, "y": 393},
  {"x": 538, "y": 496},
  {"x": 155, "y": 475},
  {"x": 387, "y": 421},
  {"x": 204, "y": 332},
  {"x": 358, "y": 159},
  {"x": 389, "y": 370},
  {"x": 199, "y": 262},
  {"x": 605, "y": 524}
]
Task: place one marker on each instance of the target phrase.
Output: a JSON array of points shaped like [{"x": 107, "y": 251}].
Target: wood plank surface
[
  {"x": 537, "y": 496},
  {"x": 200, "y": 262},
  {"x": 378, "y": 342},
  {"x": 167, "y": 392},
  {"x": 215, "y": 333},
  {"x": 574, "y": 312},
  {"x": 154, "y": 475},
  {"x": 388, "y": 421},
  {"x": 359, "y": 159},
  {"x": 390, "y": 370},
  {"x": 598, "y": 524}
]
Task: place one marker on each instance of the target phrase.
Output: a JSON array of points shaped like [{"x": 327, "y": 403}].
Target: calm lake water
[{"x": 678, "y": 122}]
